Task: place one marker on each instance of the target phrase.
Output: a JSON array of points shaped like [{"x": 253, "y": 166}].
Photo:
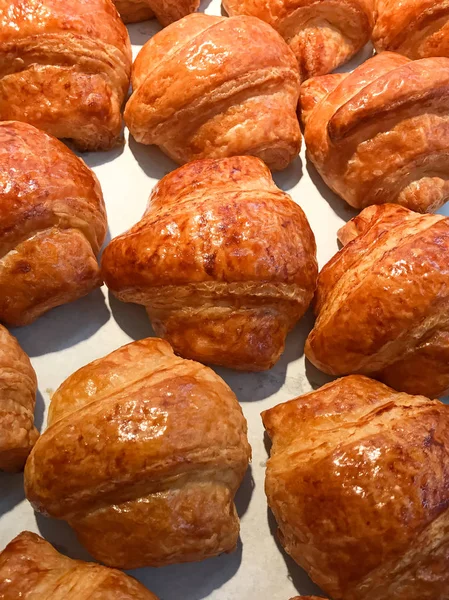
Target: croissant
[
  {"x": 323, "y": 34},
  {"x": 223, "y": 260},
  {"x": 166, "y": 11},
  {"x": 380, "y": 133},
  {"x": 18, "y": 387},
  {"x": 142, "y": 457},
  {"x": 31, "y": 569},
  {"x": 382, "y": 302},
  {"x": 212, "y": 87},
  {"x": 65, "y": 68},
  {"x": 52, "y": 224},
  {"x": 416, "y": 28},
  {"x": 358, "y": 482}
]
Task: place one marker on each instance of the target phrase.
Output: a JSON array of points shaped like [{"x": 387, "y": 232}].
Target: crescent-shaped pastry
[
  {"x": 166, "y": 11},
  {"x": 416, "y": 28},
  {"x": 381, "y": 134},
  {"x": 223, "y": 261},
  {"x": 18, "y": 387},
  {"x": 382, "y": 302},
  {"x": 358, "y": 481},
  {"x": 212, "y": 87},
  {"x": 65, "y": 68},
  {"x": 142, "y": 457},
  {"x": 52, "y": 224},
  {"x": 323, "y": 34},
  {"x": 31, "y": 569}
]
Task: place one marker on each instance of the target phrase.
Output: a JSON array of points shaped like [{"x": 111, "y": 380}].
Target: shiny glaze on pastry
[
  {"x": 381, "y": 133},
  {"x": 382, "y": 302},
  {"x": 18, "y": 387},
  {"x": 223, "y": 260},
  {"x": 416, "y": 28},
  {"x": 166, "y": 11},
  {"x": 358, "y": 481},
  {"x": 52, "y": 224},
  {"x": 65, "y": 67},
  {"x": 323, "y": 34},
  {"x": 211, "y": 87},
  {"x": 31, "y": 569},
  {"x": 142, "y": 457}
]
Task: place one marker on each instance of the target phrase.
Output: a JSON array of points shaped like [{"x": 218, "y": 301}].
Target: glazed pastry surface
[
  {"x": 142, "y": 457},
  {"x": 416, "y": 28},
  {"x": 358, "y": 481},
  {"x": 211, "y": 87},
  {"x": 166, "y": 11},
  {"x": 380, "y": 134},
  {"x": 18, "y": 387},
  {"x": 31, "y": 569},
  {"x": 52, "y": 224},
  {"x": 223, "y": 260},
  {"x": 65, "y": 68},
  {"x": 382, "y": 302},
  {"x": 323, "y": 34}
]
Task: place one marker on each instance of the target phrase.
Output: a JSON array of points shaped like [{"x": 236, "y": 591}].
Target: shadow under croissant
[
  {"x": 290, "y": 176},
  {"x": 297, "y": 576},
  {"x": 151, "y": 159},
  {"x": 62, "y": 537},
  {"x": 64, "y": 326},
  {"x": 140, "y": 33},
  {"x": 12, "y": 492}
]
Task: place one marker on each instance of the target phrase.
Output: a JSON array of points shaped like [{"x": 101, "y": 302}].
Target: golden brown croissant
[
  {"x": 166, "y": 11},
  {"x": 323, "y": 34},
  {"x": 31, "y": 569},
  {"x": 416, "y": 28},
  {"x": 143, "y": 456},
  {"x": 223, "y": 260},
  {"x": 18, "y": 387},
  {"x": 383, "y": 302},
  {"x": 358, "y": 482},
  {"x": 211, "y": 87},
  {"x": 52, "y": 224},
  {"x": 380, "y": 134},
  {"x": 65, "y": 67}
]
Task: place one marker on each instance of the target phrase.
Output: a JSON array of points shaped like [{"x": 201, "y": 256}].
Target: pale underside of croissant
[
  {"x": 323, "y": 34},
  {"x": 211, "y": 87},
  {"x": 382, "y": 302},
  {"x": 52, "y": 224},
  {"x": 380, "y": 134},
  {"x": 166, "y": 11},
  {"x": 358, "y": 482},
  {"x": 143, "y": 456},
  {"x": 31, "y": 569},
  {"x": 18, "y": 386},
  {"x": 416, "y": 28},
  {"x": 65, "y": 67},
  {"x": 223, "y": 260}
]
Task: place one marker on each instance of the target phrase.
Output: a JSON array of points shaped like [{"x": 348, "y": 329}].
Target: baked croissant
[
  {"x": 211, "y": 87},
  {"x": 166, "y": 11},
  {"x": 65, "y": 68},
  {"x": 416, "y": 28},
  {"x": 31, "y": 569},
  {"x": 18, "y": 387},
  {"x": 382, "y": 302},
  {"x": 358, "y": 482},
  {"x": 142, "y": 457},
  {"x": 223, "y": 261},
  {"x": 323, "y": 34},
  {"x": 52, "y": 224},
  {"x": 380, "y": 134}
]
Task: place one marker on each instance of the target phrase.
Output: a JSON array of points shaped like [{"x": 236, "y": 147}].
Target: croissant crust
[
  {"x": 358, "y": 481},
  {"x": 223, "y": 260},
  {"x": 166, "y": 11},
  {"x": 198, "y": 92},
  {"x": 380, "y": 134},
  {"x": 142, "y": 457}
]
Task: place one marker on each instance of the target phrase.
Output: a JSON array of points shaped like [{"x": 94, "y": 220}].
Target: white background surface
[{"x": 73, "y": 335}]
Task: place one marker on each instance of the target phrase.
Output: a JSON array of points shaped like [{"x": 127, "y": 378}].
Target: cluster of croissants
[{"x": 146, "y": 447}]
